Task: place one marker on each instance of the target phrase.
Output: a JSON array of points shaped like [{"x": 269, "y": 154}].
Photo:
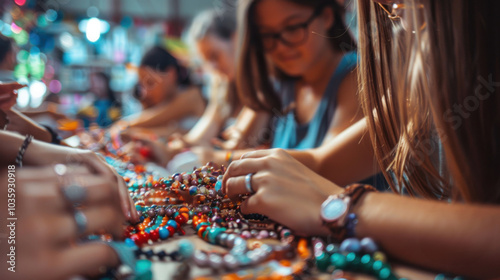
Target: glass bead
[
  {"x": 164, "y": 233},
  {"x": 350, "y": 245}
]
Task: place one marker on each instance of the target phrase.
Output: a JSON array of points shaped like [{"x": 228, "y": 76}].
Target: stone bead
[
  {"x": 379, "y": 256},
  {"x": 215, "y": 261},
  {"x": 246, "y": 234},
  {"x": 186, "y": 248},
  {"x": 368, "y": 245},
  {"x": 263, "y": 234},
  {"x": 193, "y": 190},
  {"x": 350, "y": 245},
  {"x": 230, "y": 262},
  {"x": 200, "y": 258}
]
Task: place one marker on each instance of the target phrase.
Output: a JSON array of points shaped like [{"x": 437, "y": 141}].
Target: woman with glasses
[
  {"x": 297, "y": 68},
  {"x": 429, "y": 82}
]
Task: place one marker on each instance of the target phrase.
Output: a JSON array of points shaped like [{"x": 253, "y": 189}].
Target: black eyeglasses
[{"x": 292, "y": 35}]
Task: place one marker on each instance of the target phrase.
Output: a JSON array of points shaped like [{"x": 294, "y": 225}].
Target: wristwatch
[{"x": 335, "y": 209}]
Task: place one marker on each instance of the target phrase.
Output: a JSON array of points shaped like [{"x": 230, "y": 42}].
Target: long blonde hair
[{"x": 431, "y": 88}]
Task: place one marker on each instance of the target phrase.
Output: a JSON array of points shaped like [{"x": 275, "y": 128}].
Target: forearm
[
  {"x": 345, "y": 160},
  {"x": 24, "y": 125},
  {"x": 207, "y": 128},
  {"x": 458, "y": 238}
]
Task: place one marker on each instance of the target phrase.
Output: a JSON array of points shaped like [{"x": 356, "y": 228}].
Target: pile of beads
[{"x": 353, "y": 255}]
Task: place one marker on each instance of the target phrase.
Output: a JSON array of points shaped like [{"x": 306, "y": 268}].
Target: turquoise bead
[
  {"x": 218, "y": 186},
  {"x": 172, "y": 223},
  {"x": 322, "y": 261},
  {"x": 366, "y": 262},
  {"x": 164, "y": 233},
  {"x": 213, "y": 233},
  {"x": 129, "y": 242},
  {"x": 186, "y": 248},
  {"x": 143, "y": 270},
  {"x": 338, "y": 260}
]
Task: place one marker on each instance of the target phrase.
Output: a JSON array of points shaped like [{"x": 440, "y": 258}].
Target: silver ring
[
  {"x": 74, "y": 194},
  {"x": 248, "y": 183},
  {"x": 81, "y": 222}
]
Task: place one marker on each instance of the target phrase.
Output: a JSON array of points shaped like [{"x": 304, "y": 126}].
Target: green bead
[
  {"x": 322, "y": 262},
  {"x": 338, "y": 261}
]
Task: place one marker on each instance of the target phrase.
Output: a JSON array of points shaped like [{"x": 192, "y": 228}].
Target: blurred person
[
  {"x": 106, "y": 107},
  {"x": 170, "y": 101}
]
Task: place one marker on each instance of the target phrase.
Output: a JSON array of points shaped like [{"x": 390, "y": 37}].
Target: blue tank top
[{"x": 288, "y": 133}]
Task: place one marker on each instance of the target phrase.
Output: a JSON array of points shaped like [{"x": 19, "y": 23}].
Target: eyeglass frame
[{"x": 304, "y": 26}]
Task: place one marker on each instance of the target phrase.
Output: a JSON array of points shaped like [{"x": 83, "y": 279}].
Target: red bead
[
  {"x": 154, "y": 235},
  {"x": 181, "y": 219},
  {"x": 181, "y": 231},
  {"x": 145, "y": 152},
  {"x": 171, "y": 230},
  {"x": 144, "y": 236},
  {"x": 137, "y": 239}
]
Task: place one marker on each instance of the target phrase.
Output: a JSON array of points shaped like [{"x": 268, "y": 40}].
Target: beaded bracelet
[{"x": 22, "y": 150}]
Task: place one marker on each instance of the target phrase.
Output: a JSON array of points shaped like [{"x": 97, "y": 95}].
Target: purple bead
[
  {"x": 200, "y": 258},
  {"x": 350, "y": 245},
  {"x": 246, "y": 234},
  {"x": 230, "y": 262},
  {"x": 263, "y": 234},
  {"x": 161, "y": 212},
  {"x": 194, "y": 183},
  {"x": 205, "y": 209},
  {"x": 215, "y": 261},
  {"x": 169, "y": 212},
  {"x": 151, "y": 213},
  {"x": 368, "y": 245}
]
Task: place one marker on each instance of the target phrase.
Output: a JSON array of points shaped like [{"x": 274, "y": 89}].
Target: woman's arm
[
  {"x": 458, "y": 238},
  {"x": 211, "y": 122},
  {"x": 344, "y": 160},
  {"x": 22, "y": 124},
  {"x": 185, "y": 104}
]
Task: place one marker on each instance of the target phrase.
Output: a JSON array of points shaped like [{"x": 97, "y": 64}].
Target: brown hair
[
  {"x": 413, "y": 81},
  {"x": 253, "y": 73}
]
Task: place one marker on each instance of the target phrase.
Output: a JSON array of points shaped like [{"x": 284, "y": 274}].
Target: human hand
[
  {"x": 284, "y": 190},
  {"x": 143, "y": 149},
  {"x": 8, "y": 94},
  {"x": 46, "y": 231}
]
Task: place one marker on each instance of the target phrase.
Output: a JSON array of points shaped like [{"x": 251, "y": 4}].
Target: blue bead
[
  {"x": 368, "y": 245},
  {"x": 186, "y": 248},
  {"x": 218, "y": 186},
  {"x": 172, "y": 223},
  {"x": 141, "y": 219},
  {"x": 164, "y": 233},
  {"x": 129, "y": 242},
  {"x": 350, "y": 245},
  {"x": 193, "y": 190}
]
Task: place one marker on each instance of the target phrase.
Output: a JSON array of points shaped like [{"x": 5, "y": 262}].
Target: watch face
[{"x": 332, "y": 210}]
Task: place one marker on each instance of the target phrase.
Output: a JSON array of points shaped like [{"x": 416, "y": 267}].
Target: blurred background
[{"x": 61, "y": 42}]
